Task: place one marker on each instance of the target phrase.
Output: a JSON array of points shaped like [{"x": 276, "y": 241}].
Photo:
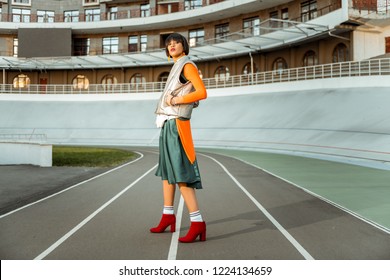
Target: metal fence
[
  {"x": 23, "y": 138},
  {"x": 372, "y": 67}
]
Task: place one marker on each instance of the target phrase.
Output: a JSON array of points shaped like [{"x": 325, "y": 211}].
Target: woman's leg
[
  {"x": 168, "y": 218},
  {"x": 168, "y": 193},
  {"x": 189, "y": 196},
  {"x": 198, "y": 226}
]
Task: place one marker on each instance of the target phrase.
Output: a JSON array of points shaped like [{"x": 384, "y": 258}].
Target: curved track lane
[{"x": 250, "y": 214}]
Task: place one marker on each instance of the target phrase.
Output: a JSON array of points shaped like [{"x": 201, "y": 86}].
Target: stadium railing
[{"x": 371, "y": 67}]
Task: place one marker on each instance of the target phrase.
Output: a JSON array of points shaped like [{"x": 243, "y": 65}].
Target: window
[
  {"x": 167, "y": 7},
  {"x": 16, "y": 47},
  {"x": 92, "y": 15},
  {"x": 248, "y": 68},
  {"x": 163, "y": 37},
  {"x": 274, "y": 15},
  {"x": 144, "y": 43},
  {"x": 137, "y": 81},
  {"x": 22, "y": 2},
  {"x": 162, "y": 79},
  {"x": 71, "y": 16},
  {"x": 21, "y": 81},
  {"x": 251, "y": 26},
  {"x": 222, "y": 74},
  {"x": 285, "y": 14},
  {"x": 109, "y": 81},
  {"x": 200, "y": 73},
  {"x": 90, "y": 2},
  {"x": 112, "y": 13},
  {"x": 145, "y": 10},
  {"x": 133, "y": 44},
  {"x": 285, "y": 17},
  {"x": 21, "y": 15},
  {"x": 196, "y": 37},
  {"x": 279, "y": 64},
  {"x": 110, "y": 45},
  {"x": 138, "y": 43},
  {"x": 387, "y": 46},
  {"x": 45, "y": 16},
  {"x": 308, "y": 10},
  {"x": 340, "y": 53},
  {"x": 81, "y": 46},
  {"x": 310, "y": 59},
  {"x": 80, "y": 82},
  {"x": 192, "y": 4},
  {"x": 221, "y": 31}
]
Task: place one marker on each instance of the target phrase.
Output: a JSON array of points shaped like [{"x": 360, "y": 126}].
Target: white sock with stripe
[
  {"x": 168, "y": 210},
  {"x": 196, "y": 216}
]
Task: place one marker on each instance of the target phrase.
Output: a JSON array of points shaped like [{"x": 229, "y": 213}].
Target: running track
[{"x": 250, "y": 214}]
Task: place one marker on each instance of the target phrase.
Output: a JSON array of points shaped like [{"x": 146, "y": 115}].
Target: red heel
[
  {"x": 173, "y": 226},
  {"x": 196, "y": 229},
  {"x": 166, "y": 220},
  {"x": 203, "y": 236}
]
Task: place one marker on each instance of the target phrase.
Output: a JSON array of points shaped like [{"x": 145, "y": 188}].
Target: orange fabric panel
[
  {"x": 184, "y": 130},
  {"x": 184, "y": 126}
]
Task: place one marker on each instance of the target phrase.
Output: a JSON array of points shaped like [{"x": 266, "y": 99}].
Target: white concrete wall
[
  {"x": 25, "y": 153},
  {"x": 347, "y": 118},
  {"x": 330, "y": 122},
  {"x": 367, "y": 45}
]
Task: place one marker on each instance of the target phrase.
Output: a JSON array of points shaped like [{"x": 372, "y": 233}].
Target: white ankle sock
[
  {"x": 196, "y": 216},
  {"x": 168, "y": 210}
]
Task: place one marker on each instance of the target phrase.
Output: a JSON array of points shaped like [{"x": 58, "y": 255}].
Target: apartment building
[{"x": 83, "y": 42}]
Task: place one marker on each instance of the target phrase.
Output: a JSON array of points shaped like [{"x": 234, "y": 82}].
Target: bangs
[{"x": 174, "y": 37}]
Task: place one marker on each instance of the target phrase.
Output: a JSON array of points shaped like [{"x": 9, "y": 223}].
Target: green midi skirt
[{"x": 173, "y": 164}]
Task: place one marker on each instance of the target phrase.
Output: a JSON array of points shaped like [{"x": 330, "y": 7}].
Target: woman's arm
[{"x": 191, "y": 74}]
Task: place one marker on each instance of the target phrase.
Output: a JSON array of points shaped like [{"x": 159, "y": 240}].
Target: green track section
[{"x": 362, "y": 190}]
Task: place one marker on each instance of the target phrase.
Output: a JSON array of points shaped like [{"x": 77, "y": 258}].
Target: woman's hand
[{"x": 172, "y": 100}]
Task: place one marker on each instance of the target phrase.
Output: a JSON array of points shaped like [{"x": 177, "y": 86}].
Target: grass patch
[{"x": 90, "y": 157}]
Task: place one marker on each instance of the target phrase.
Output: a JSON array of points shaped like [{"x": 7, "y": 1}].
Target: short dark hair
[{"x": 179, "y": 39}]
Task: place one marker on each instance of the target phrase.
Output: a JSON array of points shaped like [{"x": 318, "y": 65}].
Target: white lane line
[
  {"x": 172, "y": 254},
  {"x": 288, "y": 236},
  {"x": 175, "y": 236},
  {"x": 339, "y": 206},
  {"x": 71, "y": 187},
  {"x": 90, "y": 217}
]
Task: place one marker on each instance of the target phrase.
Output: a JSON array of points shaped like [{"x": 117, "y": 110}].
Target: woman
[{"x": 177, "y": 160}]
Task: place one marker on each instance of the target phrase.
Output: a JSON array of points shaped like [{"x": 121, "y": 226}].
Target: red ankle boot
[
  {"x": 166, "y": 220},
  {"x": 196, "y": 229}
]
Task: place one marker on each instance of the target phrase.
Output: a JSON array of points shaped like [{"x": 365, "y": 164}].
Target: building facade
[{"x": 84, "y": 42}]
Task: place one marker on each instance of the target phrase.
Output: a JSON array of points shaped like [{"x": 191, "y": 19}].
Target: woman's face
[{"x": 175, "y": 49}]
